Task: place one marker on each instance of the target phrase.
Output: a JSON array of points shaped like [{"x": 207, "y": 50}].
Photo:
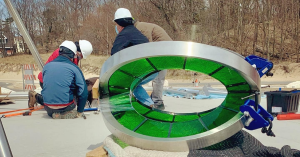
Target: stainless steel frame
[
  {"x": 185, "y": 49},
  {"x": 4, "y": 145}
]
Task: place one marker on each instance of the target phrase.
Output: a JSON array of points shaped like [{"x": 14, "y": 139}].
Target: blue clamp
[
  {"x": 256, "y": 119},
  {"x": 262, "y": 65}
]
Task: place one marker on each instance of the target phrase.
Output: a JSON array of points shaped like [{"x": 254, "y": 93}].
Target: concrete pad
[{"x": 39, "y": 135}]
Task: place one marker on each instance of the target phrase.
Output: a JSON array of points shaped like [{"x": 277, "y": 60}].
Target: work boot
[
  {"x": 159, "y": 107},
  {"x": 32, "y": 99},
  {"x": 65, "y": 115}
]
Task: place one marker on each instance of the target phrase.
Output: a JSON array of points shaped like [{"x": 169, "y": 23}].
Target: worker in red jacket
[{"x": 84, "y": 47}]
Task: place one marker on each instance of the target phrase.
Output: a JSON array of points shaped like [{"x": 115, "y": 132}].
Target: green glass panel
[
  {"x": 154, "y": 129},
  {"x": 135, "y": 83},
  {"x": 138, "y": 68},
  {"x": 140, "y": 108},
  {"x": 228, "y": 76},
  {"x": 204, "y": 114},
  {"x": 234, "y": 101},
  {"x": 130, "y": 119},
  {"x": 201, "y": 65},
  {"x": 239, "y": 88},
  {"x": 114, "y": 91},
  {"x": 189, "y": 128},
  {"x": 119, "y": 79},
  {"x": 217, "y": 117},
  {"x": 120, "y": 99},
  {"x": 183, "y": 118},
  {"x": 162, "y": 63},
  {"x": 160, "y": 116}
]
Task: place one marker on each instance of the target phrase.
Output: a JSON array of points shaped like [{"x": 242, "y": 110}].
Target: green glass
[
  {"x": 130, "y": 119},
  {"x": 119, "y": 79},
  {"x": 140, "y": 108},
  {"x": 120, "y": 99},
  {"x": 183, "y": 118},
  {"x": 234, "y": 100},
  {"x": 217, "y": 117},
  {"x": 201, "y": 65},
  {"x": 162, "y": 63},
  {"x": 160, "y": 116},
  {"x": 188, "y": 128},
  {"x": 228, "y": 76},
  {"x": 138, "y": 68},
  {"x": 160, "y": 124},
  {"x": 239, "y": 88},
  {"x": 154, "y": 128}
]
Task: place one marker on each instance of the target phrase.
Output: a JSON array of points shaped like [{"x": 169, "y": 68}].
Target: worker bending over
[
  {"x": 128, "y": 36},
  {"x": 62, "y": 80},
  {"x": 155, "y": 33}
]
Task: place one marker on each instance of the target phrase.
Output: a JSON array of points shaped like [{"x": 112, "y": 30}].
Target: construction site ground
[{"x": 39, "y": 135}]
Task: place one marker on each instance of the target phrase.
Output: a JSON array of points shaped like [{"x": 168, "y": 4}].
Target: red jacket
[{"x": 54, "y": 55}]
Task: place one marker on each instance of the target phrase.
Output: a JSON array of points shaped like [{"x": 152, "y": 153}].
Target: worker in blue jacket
[
  {"x": 62, "y": 81},
  {"x": 128, "y": 36}
]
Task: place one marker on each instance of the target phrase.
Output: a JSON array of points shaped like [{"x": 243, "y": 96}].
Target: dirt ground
[{"x": 11, "y": 69}]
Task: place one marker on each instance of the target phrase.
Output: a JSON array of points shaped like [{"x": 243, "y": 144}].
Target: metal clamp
[{"x": 256, "y": 119}]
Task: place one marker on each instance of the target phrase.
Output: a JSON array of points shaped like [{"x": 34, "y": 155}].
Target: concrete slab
[{"x": 39, "y": 135}]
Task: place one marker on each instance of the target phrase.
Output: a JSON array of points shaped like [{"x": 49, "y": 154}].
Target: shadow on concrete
[{"x": 92, "y": 147}]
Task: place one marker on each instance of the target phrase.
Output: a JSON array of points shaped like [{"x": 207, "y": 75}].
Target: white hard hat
[
  {"x": 122, "y": 13},
  {"x": 70, "y": 45},
  {"x": 86, "y": 48}
]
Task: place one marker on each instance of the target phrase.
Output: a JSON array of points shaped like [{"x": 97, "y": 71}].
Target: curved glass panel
[{"x": 141, "y": 119}]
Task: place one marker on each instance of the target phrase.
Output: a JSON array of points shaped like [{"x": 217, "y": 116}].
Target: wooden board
[
  {"x": 98, "y": 152},
  {"x": 95, "y": 90}
]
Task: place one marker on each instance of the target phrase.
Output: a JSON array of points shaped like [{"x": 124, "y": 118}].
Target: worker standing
[
  {"x": 62, "y": 80},
  {"x": 155, "y": 33},
  {"x": 128, "y": 36}
]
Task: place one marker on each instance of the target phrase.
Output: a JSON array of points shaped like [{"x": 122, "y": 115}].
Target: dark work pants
[
  {"x": 50, "y": 111},
  {"x": 41, "y": 85},
  {"x": 39, "y": 99}
]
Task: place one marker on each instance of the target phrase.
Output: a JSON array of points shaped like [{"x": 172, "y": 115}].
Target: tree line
[{"x": 268, "y": 28}]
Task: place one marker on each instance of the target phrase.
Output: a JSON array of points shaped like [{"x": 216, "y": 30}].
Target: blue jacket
[
  {"x": 62, "y": 81},
  {"x": 129, "y": 36}
]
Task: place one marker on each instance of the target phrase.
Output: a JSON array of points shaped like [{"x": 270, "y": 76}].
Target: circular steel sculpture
[{"x": 140, "y": 126}]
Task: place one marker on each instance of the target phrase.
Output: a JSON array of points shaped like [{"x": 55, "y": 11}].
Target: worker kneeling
[{"x": 62, "y": 81}]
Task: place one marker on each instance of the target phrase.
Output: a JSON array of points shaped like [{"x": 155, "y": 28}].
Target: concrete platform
[{"x": 40, "y": 136}]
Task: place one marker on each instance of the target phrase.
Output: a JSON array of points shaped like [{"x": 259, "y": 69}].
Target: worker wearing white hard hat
[
  {"x": 63, "y": 80},
  {"x": 129, "y": 36}
]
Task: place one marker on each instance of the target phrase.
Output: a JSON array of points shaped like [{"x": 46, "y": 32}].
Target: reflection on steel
[
  {"x": 17, "y": 19},
  {"x": 4, "y": 146},
  {"x": 176, "y": 49}
]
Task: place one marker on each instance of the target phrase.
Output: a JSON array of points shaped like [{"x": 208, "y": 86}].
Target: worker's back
[
  {"x": 62, "y": 80},
  {"x": 129, "y": 36},
  {"x": 152, "y": 31}
]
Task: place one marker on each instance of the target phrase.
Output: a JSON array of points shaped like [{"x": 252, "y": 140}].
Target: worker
[
  {"x": 84, "y": 48},
  {"x": 128, "y": 36},
  {"x": 62, "y": 80},
  {"x": 155, "y": 33}
]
